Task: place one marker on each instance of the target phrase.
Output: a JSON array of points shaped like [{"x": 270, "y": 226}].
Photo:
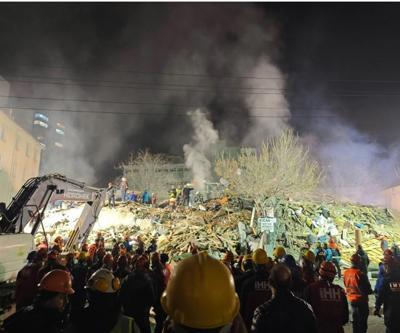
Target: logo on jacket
[{"x": 329, "y": 294}]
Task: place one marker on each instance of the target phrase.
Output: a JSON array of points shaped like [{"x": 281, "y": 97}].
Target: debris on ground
[{"x": 224, "y": 224}]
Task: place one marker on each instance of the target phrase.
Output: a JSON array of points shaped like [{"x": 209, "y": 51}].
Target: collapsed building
[{"x": 231, "y": 224}]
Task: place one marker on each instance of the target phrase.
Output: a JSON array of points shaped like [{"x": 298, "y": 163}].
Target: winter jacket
[
  {"x": 330, "y": 306},
  {"x": 389, "y": 296},
  {"x": 102, "y": 313},
  {"x": 34, "y": 319},
  {"x": 381, "y": 276},
  {"x": 137, "y": 293},
  {"x": 26, "y": 285},
  {"x": 357, "y": 285},
  {"x": 254, "y": 292},
  {"x": 284, "y": 313}
]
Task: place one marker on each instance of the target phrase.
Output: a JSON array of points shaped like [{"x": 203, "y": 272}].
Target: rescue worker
[
  {"x": 279, "y": 253},
  {"x": 247, "y": 271},
  {"x": 167, "y": 267},
  {"x": 26, "y": 282},
  {"x": 138, "y": 295},
  {"x": 111, "y": 195},
  {"x": 80, "y": 275},
  {"x": 298, "y": 284},
  {"x": 328, "y": 301},
  {"x": 389, "y": 296},
  {"x": 255, "y": 290},
  {"x": 122, "y": 268},
  {"x": 357, "y": 290},
  {"x": 58, "y": 244},
  {"x": 229, "y": 260},
  {"x": 284, "y": 312},
  {"x": 46, "y": 313},
  {"x": 200, "y": 297},
  {"x": 98, "y": 260},
  {"x": 307, "y": 266},
  {"x": 51, "y": 264},
  {"x": 104, "y": 309},
  {"x": 157, "y": 275},
  {"x": 108, "y": 262},
  {"x": 124, "y": 188}
]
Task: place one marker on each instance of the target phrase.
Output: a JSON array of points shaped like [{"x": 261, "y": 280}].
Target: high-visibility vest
[
  {"x": 352, "y": 279},
  {"x": 125, "y": 324}
]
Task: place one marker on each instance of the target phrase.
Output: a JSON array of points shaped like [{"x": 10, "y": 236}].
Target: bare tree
[
  {"x": 281, "y": 167},
  {"x": 147, "y": 171}
]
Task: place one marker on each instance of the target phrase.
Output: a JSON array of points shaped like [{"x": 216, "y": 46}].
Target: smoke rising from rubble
[
  {"x": 222, "y": 45},
  {"x": 356, "y": 168},
  {"x": 196, "y": 159}
]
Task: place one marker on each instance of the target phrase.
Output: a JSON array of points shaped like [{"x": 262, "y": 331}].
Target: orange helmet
[
  {"x": 57, "y": 281},
  {"x": 327, "y": 270}
]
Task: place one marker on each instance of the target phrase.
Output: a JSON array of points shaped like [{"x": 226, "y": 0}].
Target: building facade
[{"x": 20, "y": 156}]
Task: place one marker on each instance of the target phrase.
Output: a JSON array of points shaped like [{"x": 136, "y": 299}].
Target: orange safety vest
[{"x": 352, "y": 278}]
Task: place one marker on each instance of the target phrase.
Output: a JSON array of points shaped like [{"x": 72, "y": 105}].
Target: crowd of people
[
  {"x": 182, "y": 195},
  {"x": 120, "y": 290}
]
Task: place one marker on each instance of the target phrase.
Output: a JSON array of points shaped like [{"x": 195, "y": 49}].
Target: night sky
[{"x": 339, "y": 60}]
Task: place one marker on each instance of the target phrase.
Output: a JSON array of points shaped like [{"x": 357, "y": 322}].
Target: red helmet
[
  {"x": 355, "y": 259},
  {"x": 327, "y": 270},
  {"x": 57, "y": 281}
]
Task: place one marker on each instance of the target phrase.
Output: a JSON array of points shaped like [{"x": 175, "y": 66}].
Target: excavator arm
[{"x": 26, "y": 210}]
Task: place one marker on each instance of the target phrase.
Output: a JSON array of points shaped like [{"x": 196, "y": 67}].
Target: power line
[
  {"x": 133, "y": 88},
  {"x": 153, "y": 113},
  {"x": 161, "y": 88},
  {"x": 130, "y": 83},
  {"x": 134, "y": 71},
  {"x": 123, "y": 102}
]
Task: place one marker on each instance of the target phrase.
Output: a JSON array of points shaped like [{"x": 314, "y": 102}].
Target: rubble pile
[{"x": 225, "y": 224}]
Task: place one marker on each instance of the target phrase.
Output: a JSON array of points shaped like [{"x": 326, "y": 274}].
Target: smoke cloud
[
  {"x": 356, "y": 167},
  {"x": 197, "y": 152},
  {"x": 218, "y": 57}
]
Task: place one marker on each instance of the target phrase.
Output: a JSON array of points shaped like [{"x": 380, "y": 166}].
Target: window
[
  {"x": 58, "y": 131},
  {"x": 60, "y": 125},
  {"x": 59, "y": 145},
  {"x": 42, "y": 117},
  {"x": 2, "y": 132},
  {"x": 41, "y": 123}
]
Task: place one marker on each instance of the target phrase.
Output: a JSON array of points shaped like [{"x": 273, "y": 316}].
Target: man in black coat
[
  {"x": 138, "y": 295},
  {"x": 284, "y": 313}
]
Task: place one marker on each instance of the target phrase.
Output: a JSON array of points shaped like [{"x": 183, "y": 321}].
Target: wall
[
  {"x": 392, "y": 197},
  {"x": 19, "y": 157}
]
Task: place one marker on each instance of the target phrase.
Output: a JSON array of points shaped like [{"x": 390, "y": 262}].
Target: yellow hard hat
[
  {"x": 310, "y": 256},
  {"x": 201, "y": 293},
  {"x": 279, "y": 252},
  {"x": 260, "y": 257}
]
